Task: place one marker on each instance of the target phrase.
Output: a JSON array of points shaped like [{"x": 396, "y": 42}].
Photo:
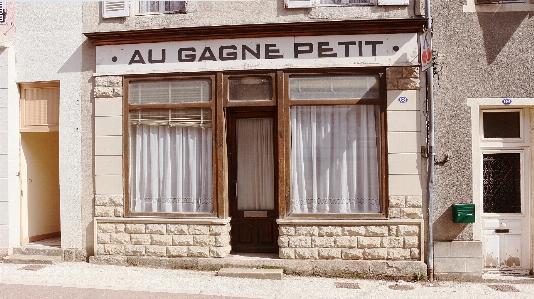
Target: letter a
[{"x": 139, "y": 58}]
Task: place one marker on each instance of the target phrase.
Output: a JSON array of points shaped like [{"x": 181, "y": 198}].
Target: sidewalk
[{"x": 87, "y": 276}]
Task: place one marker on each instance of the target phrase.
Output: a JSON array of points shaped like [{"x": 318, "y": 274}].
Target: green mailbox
[{"x": 463, "y": 213}]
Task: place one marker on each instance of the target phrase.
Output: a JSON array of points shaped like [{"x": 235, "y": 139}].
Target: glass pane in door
[
  {"x": 502, "y": 183},
  {"x": 255, "y": 164}
]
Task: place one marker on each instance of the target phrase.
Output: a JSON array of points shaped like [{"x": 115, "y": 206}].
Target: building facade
[
  {"x": 200, "y": 129},
  {"x": 483, "y": 140}
]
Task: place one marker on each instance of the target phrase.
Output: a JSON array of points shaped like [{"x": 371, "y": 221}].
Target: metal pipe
[{"x": 430, "y": 147}]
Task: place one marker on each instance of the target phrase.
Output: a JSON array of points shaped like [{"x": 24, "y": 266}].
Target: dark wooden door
[{"x": 253, "y": 181}]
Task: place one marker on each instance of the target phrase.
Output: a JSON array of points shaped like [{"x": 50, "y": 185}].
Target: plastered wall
[
  {"x": 211, "y": 13},
  {"x": 479, "y": 55},
  {"x": 51, "y": 48}
]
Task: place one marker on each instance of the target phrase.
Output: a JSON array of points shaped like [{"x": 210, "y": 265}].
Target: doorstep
[
  {"x": 302, "y": 267},
  {"x": 275, "y": 274}
]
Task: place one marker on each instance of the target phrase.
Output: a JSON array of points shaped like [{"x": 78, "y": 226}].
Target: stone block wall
[
  {"x": 372, "y": 241},
  {"x": 405, "y": 207},
  {"x": 458, "y": 260},
  {"x": 109, "y": 205},
  {"x": 403, "y": 78},
  {"x": 163, "y": 239}
]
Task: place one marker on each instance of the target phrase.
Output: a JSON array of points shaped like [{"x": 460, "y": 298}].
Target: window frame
[
  {"x": 233, "y": 103},
  {"x": 162, "y": 10},
  {"x": 290, "y": 4},
  {"x": 127, "y": 107},
  {"x": 381, "y": 101},
  {"x": 523, "y": 140}
]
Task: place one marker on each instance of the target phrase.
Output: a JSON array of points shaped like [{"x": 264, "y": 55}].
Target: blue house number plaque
[
  {"x": 507, "y": 101},
  {"x": 403, "y": 100}
]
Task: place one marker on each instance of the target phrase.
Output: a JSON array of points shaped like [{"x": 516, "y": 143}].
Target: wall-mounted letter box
[{"x": 463, "y": 213}]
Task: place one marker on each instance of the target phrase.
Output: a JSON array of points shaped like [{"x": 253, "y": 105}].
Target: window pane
[
  {"x": 171, "y": 117},
  {"x": 171, "y": 166},
  {"x": 252, "y": 88},
  {"x": 148, "y": 6},
  {"x": 502, "y": 183},
  {"x": 338, "y": 87},
  {"x": 501, "y": 124},
  {"x": 335, "y": 160},
  {"x": 255, "y": 160},
  {"x": 167, "y": 92},
  {"x": 174, "y": 6},
  {"x": 344, "y": 1}
]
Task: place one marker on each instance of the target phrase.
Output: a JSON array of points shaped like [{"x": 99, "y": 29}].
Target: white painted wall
[{"x": 49, "y": 47}]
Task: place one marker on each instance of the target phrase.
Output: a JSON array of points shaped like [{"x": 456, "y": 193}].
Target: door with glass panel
[
  {"x": 505, "y": 191},
  {"x": 253, "y": 181}
]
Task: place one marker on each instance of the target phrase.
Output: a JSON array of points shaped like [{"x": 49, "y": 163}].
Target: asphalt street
[{"x": 84, "y": 280}]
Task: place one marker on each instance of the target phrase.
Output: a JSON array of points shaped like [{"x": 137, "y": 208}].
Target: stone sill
[
  {"x": 342, "y": 222},
  {"x": 507, "y": 7},
  {"x": 148, "y": 220}
]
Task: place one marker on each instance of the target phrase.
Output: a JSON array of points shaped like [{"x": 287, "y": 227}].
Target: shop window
[
  {"x": 170, "y": 140},
  {"x": 335, "y": 145}
]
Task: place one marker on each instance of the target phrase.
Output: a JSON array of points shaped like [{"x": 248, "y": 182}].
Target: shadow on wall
[
  {"x": 445, "y": 229},
  {"x": 497, "y": 29}
]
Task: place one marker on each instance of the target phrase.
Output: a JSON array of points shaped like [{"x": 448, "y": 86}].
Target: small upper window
[
  {"x": 501, "y": 124},
  {"x": 161, "y": 6}
]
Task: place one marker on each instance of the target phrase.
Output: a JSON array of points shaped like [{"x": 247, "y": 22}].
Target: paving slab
[{"x": 31, "y": 259}]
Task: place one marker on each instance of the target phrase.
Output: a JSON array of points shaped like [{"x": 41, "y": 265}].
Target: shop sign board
[{"x": 258, "y": 53}]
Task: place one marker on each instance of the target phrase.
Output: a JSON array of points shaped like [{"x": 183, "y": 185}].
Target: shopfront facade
[{"x": 299, "y": 142}]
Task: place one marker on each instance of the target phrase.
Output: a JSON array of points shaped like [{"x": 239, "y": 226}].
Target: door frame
[
  {"x": 232, "y": 115},
  {"x": 480, "y": 146}
]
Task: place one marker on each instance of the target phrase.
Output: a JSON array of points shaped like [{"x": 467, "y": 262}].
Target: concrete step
[
  {"x": 38, "y": 250},
  {"x": 31, "y": 259},
  {"x": 275, "y": 274}
]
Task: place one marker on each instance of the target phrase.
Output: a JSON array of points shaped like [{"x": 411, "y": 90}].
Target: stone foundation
[
  {"x": 159, "y": 238},
  {"x": 350, "y": 240}
]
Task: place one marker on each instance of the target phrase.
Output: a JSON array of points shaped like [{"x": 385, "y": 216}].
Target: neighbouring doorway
[
  {"x": 39, "y": 161},
  {"x": 505, "y": 154},
  {"x": 253, "y": 181}
]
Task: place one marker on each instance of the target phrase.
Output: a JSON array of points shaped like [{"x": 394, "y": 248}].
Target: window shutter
[
  {"x": 115, "y": 9},
  {"x": 3, "y": 12},
  {"x": 39, "y": 107},
  {"x": 298, "y": 3},
  {"x": 393, "y": 2}
]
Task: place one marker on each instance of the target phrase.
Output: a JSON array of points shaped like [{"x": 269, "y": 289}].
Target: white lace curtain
[
  {"x": 255, "y": 164},
  {"x": 335, "y": 159},
  {"x": 170, "y": 168}
]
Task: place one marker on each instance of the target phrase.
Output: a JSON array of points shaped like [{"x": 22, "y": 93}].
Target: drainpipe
[{"x": 430, "y": 152}]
